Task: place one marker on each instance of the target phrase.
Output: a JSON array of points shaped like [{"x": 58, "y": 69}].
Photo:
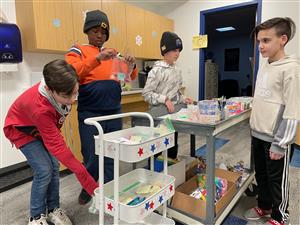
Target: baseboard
[{"x": 18, "y": 174}]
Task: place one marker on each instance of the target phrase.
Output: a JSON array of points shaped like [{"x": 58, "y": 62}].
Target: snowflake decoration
[{"x": 138, "y": 40}]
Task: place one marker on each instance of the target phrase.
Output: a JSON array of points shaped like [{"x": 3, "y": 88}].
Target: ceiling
[{"x": 242, "y": 19}]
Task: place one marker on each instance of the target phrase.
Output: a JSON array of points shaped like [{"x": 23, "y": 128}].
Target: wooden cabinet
[
  {"x": 70, "y": 131},
  {"x": 155, "y": 26},
  {"x": 298, "y": 136},
  {"x": 116, "y": 12},
  {"x": 133, "y": 103},
  {"x": 135, "y": 18},
  {"x": 54, "y": 26},
  {"x": 166, "y": 24},
  {"x": 79, "y": 9},
  {"x": 45, "y": 25},
  {"x": 152, "y": 35}
]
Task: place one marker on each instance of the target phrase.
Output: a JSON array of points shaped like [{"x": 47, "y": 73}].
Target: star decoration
[
  {"x": 160, "y": 199},
  {"x": 109, "y": 206},
  {"x": 166, "y": 142},
  {"x": 147, "y": 206},
  {"x": 151, "y": 205},
  {"x": 171, "y": 188},
  {"x": 153, "y": 147},
  {"x": 140, "y": 152}
]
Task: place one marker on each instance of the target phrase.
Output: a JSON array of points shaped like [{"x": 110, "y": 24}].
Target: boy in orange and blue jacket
[{"x": 99, "y": 91}]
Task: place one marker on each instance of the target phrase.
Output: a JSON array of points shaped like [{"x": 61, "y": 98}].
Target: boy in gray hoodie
[
  {"x": 162, "y": 89},
  {"x": 274, "y": 119}
]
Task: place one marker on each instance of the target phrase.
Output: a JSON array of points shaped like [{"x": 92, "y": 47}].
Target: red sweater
[{"x": 34, "y": 112}]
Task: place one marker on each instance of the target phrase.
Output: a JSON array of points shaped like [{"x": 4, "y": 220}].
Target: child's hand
[
  {"x": 106, "y": 54},
  {"x": 275, "y": 156},
  {"x": 188, "y": 100},
  {"x": 170, "y": 105},
  {"x": 130, "y": 60}
]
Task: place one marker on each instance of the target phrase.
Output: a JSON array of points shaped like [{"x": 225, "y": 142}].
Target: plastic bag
[
  {"x": 165, "y": 126},
  {"x": 120, "y": 69}
]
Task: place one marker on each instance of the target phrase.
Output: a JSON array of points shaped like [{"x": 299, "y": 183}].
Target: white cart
[{"x": 107, "y": 195}]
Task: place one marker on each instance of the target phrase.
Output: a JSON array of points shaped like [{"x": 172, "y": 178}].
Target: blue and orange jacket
[{"x": 99, "y": 91}]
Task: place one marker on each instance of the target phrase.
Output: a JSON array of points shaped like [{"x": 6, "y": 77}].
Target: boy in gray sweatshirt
[{"x": 274, "y": 119}]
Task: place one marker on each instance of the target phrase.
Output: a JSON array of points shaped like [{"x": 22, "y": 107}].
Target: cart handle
[{"x": 94, "y": 121}]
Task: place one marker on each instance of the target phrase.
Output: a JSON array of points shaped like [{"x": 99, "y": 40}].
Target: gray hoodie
[
  {"x": 276, "y": 104},
  {"x": 164, "y": 81}
]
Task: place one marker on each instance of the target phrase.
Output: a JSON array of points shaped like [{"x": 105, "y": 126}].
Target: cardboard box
[{"x": 184, "y": 202}]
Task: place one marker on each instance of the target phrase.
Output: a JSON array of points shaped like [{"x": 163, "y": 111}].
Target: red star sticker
[
  {"x": 151, "y": 205},
  {"x": 109, "y": 206},
  {"x": 171, "y": 188},
  {"x": 140, "y": 152}
]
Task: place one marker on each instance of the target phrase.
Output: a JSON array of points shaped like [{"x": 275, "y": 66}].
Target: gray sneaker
[
  {"x": 59, "y": 217},
  {"x": 257, "y": 213}
]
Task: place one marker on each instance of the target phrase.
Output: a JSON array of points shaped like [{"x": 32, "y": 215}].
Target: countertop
[{"x": 132, "y": 91}]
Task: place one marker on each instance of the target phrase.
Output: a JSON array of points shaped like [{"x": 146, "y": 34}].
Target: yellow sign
[{"x": 200, "y": 41}]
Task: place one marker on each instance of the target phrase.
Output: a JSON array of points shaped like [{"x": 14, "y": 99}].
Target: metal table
[{"x": 210, "y": 131}]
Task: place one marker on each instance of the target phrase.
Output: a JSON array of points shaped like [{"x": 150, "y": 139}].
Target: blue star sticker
[
  {"x": 160, "y": 199},
  {"x": 166, "y": 142},
  {"x": 153, "y": 147},
  {"x": 147, "y": 206}
]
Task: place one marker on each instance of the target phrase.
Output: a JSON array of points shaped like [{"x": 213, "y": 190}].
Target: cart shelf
[
  {"x": 128, "y": 184},
  {"x": 134, "y": 152}
]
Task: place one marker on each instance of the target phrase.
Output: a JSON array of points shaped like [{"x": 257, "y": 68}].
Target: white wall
[
  {"x": 187, "y": 23},
  {"x": 12, "y": 84},
  {"x": 279, "y": 8}
]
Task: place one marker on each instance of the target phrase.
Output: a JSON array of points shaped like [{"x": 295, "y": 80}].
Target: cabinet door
[
  {"x": 152, "y": 35},
  {"x": 135, "y": 31},
  {"x": 80, "y": 8},
  {"x": 53, "y": 24},
  {"x": 71, "y": 135},
  {"x": 116, "y": 12},
  {"x": 166, "y": 24}
]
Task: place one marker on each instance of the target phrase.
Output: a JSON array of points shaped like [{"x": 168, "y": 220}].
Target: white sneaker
[
  {"x": 59, "y": 217},
  {"x": 40, "y": 221}
]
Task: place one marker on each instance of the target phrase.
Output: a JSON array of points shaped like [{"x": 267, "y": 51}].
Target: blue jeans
[{"x": 45, "y": 184}]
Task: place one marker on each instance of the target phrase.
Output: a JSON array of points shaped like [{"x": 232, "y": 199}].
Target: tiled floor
[{"x": 14, "y": 203}]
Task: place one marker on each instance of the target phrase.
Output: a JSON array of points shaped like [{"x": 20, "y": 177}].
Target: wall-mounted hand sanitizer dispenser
[{"x": 10, "y": 43}]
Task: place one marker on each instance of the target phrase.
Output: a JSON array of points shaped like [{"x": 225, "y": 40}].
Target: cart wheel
[{"x": 252, "y": 190}]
